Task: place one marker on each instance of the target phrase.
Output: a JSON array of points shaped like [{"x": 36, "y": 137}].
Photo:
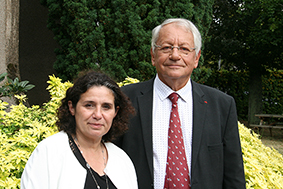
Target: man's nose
[{"x": 175, "y": 54}]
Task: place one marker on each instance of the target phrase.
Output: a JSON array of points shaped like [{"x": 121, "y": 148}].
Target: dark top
[{"x": 89, "y": 182}]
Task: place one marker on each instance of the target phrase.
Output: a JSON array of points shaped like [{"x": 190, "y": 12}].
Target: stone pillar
[
  {"x": 3, "y": 67},
  {"x": 9, "y": 39},
  {"x": 12, "y": 38}
]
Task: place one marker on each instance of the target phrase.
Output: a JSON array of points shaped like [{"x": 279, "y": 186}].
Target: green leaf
[
  {"x": 23, "y": 83},
  {"x": 2, "y": 76},
  {"x": 29, "y": 87}
]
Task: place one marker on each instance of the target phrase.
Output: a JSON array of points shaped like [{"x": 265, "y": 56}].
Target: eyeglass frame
[{"x": 172, "y": 47}]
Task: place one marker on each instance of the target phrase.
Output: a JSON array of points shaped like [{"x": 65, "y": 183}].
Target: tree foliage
[
  {"x": 114, "y": 36},
  {"x": 236, "y": 84},
  {"x": 247, "y": 35}
]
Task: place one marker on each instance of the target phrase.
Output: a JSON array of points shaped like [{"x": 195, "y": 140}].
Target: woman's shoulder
[
  {"x": 56, "y": 140},
  {"x": 118, "y": 160},
  {"x": 112, "y": 148},
  {"x": 116, "y": 153}
]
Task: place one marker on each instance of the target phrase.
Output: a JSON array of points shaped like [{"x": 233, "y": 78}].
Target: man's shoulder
[
  {"x": 209, "y": 90},
  {"x": 138, "y": 87}
]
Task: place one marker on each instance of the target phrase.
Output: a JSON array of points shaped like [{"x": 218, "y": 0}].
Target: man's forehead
[{"x": 168, "y": 34}]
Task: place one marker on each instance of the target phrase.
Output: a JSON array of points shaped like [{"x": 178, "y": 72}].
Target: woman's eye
[
  {"x": 106, "y": 106},
  {"x": 88, "y": 105}
]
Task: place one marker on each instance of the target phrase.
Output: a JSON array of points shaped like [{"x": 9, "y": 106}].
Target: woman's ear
[
  {"x": 116, "y": 110},
  {"x": 71, "y": 108}
]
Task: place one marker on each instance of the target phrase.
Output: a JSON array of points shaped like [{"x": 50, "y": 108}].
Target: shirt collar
[{"x": 163, "y": 91}]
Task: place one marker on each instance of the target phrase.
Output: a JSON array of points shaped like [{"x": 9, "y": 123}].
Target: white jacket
[{"x": 53, "y": 165}]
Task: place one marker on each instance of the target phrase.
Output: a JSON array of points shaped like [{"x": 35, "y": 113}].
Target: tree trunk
[{"x": 255, "y": 96}]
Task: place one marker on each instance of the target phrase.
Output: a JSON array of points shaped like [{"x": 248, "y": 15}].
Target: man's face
[{"x": 174, "y": 67}]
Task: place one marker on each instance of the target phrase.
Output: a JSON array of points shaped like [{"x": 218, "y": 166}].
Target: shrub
[
  {"x": 263, "y": 165},
  {"x": 23, "y": 128},
  {"x": 13, "y": 87},
  {"x": 236, "y": 84}
]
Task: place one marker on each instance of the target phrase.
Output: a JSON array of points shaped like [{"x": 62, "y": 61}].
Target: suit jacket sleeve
[{"x": 216, "y": 155}]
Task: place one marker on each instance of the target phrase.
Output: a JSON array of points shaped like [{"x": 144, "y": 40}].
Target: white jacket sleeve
[
  {"x": 53, "y": 165},
  {"x": 36, "y": 172}
]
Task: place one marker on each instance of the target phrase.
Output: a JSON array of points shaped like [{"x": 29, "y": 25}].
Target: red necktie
[{"x": 177, "y": 172}]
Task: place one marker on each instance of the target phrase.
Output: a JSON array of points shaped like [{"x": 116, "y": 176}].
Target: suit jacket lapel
[
  {"x": 145, "y": 101},
  {"x": 199, "y": 112}
]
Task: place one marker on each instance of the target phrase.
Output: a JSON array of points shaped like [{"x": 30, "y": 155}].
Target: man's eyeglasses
[{"x": 169, "y": 49}]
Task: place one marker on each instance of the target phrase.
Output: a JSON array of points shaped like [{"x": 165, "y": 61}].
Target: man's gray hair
[{"x": 181, "y": 22}]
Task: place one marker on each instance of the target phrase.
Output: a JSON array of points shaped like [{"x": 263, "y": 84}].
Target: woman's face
[{"x": 94, "y": 112}]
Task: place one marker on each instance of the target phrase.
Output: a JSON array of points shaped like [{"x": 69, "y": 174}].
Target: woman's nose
[{"x": 97, "y": 114}]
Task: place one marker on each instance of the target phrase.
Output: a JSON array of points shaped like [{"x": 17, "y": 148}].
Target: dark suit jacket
[{"x": 216, "y": 152}]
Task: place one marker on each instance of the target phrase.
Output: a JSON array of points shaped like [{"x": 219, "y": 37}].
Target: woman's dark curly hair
[{"x": 66, "y": 121}]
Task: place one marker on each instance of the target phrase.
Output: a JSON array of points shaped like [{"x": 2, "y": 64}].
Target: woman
[{"x": 93, "y": 113}]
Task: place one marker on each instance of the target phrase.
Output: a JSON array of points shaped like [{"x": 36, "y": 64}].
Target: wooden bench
[{"x": 267, "y": 122}]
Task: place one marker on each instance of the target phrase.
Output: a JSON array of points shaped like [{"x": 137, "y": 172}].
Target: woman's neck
[{"x": 94, "y": 153}]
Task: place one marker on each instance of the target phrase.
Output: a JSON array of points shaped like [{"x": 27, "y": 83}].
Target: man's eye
[
  {"x": 166, "y": 48},
  {"x": 185, "y": 49}
]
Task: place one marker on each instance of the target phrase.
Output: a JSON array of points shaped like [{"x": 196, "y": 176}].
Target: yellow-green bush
[
  {"x": 263, "y": 165},
  {"x": 22, "y": 128}
]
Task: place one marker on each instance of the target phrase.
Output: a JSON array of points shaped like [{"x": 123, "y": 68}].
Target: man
[{"x": 208, "y": 118}]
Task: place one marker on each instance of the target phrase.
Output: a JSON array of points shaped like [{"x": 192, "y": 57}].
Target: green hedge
[
  {"x": 114, "y": 36},
  {"x": 236, "y": 84},
  {"x": 273, "y": 92}
]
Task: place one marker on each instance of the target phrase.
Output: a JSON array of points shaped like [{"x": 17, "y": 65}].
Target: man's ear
[
  {"x": 152, "y": 57},
  {"x": 71, "y": 108},
  {"x": 197, "y": 59}
]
